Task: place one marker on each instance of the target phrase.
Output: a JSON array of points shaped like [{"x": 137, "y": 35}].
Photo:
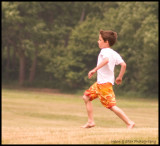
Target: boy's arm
[
  {"x": 121, "y": 73},
  {"x": 105, "y": 61}
]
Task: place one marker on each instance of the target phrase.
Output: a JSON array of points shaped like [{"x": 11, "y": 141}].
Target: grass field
[{"x": 36, "y": 117}]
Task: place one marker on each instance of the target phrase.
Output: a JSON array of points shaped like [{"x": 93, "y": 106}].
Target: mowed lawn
[{"x": 35, "y": 117}]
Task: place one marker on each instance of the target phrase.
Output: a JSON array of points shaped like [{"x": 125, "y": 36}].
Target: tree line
[{"x": 54, "y": 44}]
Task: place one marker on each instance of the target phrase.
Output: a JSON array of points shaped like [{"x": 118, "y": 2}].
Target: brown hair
[{"x": 109, "y": 36}]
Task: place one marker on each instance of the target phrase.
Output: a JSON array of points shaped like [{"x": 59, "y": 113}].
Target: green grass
[{"x": 36, "y": 117}]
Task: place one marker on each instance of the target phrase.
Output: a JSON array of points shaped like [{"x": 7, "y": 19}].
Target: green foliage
[
  {"x": 74, "y": 62},
  {"x": 62, "y": 38},
  {"x": 149, "y": 60}
]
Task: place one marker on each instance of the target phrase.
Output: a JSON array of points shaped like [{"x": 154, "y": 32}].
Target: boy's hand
[
  {"x": 90, "y": 74},
  {"x": 118, "y": 80},
  {"x": 122, "y": 71}
]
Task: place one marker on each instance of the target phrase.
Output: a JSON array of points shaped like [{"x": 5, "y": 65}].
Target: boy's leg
[
  {"x": 130, "y": 124},
  {"x": 89, "y": 108}
]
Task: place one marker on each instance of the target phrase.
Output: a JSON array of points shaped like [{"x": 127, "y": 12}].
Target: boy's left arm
[{"x": 121, "y": 73}]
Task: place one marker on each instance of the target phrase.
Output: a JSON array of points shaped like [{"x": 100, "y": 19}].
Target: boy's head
[{"x": 109, "y": 36}]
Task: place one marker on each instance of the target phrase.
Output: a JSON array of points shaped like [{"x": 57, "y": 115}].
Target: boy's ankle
[
  {"x": 90, "y": 122},
  {"x": 130, "y": 125}
]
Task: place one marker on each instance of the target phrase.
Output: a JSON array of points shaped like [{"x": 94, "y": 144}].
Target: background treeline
[{"x": 54, "y": 44}]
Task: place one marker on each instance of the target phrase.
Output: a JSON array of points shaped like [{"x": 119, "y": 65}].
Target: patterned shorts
[{"x": 102, "y": 91}]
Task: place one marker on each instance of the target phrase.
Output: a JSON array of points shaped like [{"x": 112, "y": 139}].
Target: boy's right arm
[{"x": 105, "y": 61}]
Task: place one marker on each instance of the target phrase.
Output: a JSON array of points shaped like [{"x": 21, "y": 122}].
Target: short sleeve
[
  {"x": 105, "y": 54},
  {"x": 118, "y": 59}
]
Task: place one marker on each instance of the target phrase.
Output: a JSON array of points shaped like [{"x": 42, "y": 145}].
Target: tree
[
  {"x": 149, "y": 58},
  {"x": 10, "y": 29},
  {"x": 24, "y": 30}
]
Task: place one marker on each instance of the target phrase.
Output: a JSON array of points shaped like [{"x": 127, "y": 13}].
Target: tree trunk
[
  {"x": 33, "y": 68},
  {"x": 14, "y": 59},
  {"x": 22, "y": 69},
  {"x": 82, "y": 15},
  {"x": 8, "y": 63},
  {"x": 66, "y": 40}
]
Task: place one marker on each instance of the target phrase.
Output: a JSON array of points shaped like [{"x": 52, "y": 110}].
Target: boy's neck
[{"x": 105, "y": 48}]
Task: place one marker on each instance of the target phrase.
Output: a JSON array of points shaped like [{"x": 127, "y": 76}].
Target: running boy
[{"x": 102, "y": 89}]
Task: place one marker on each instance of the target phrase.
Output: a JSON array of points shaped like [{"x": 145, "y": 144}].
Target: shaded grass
[{"x": 32, "y": 117}]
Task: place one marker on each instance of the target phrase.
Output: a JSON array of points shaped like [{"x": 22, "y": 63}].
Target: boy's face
[{"x": 101, "y": 42}]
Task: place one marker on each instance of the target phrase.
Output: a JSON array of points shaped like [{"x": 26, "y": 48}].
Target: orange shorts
[{"x": 102, "y": 91}]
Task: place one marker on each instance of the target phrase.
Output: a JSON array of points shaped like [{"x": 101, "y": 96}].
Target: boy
[{"x": 107, "y": 60}]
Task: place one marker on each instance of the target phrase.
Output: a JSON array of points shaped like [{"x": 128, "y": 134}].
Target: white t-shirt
[{"x": 106, "y": 73}]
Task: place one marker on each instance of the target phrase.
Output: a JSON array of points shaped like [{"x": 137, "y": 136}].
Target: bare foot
[
  {"x": 131, "y": 125},
  {"x": 88, "y": 125}
]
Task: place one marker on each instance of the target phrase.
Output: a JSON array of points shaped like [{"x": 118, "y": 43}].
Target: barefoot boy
[{"x": 102, "y": 89}]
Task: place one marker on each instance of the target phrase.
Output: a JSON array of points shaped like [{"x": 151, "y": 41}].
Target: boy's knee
[{"x": 85, "y": 98}]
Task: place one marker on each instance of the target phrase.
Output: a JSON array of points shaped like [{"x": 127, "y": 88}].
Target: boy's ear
[{"x": 107, "y": 42}]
